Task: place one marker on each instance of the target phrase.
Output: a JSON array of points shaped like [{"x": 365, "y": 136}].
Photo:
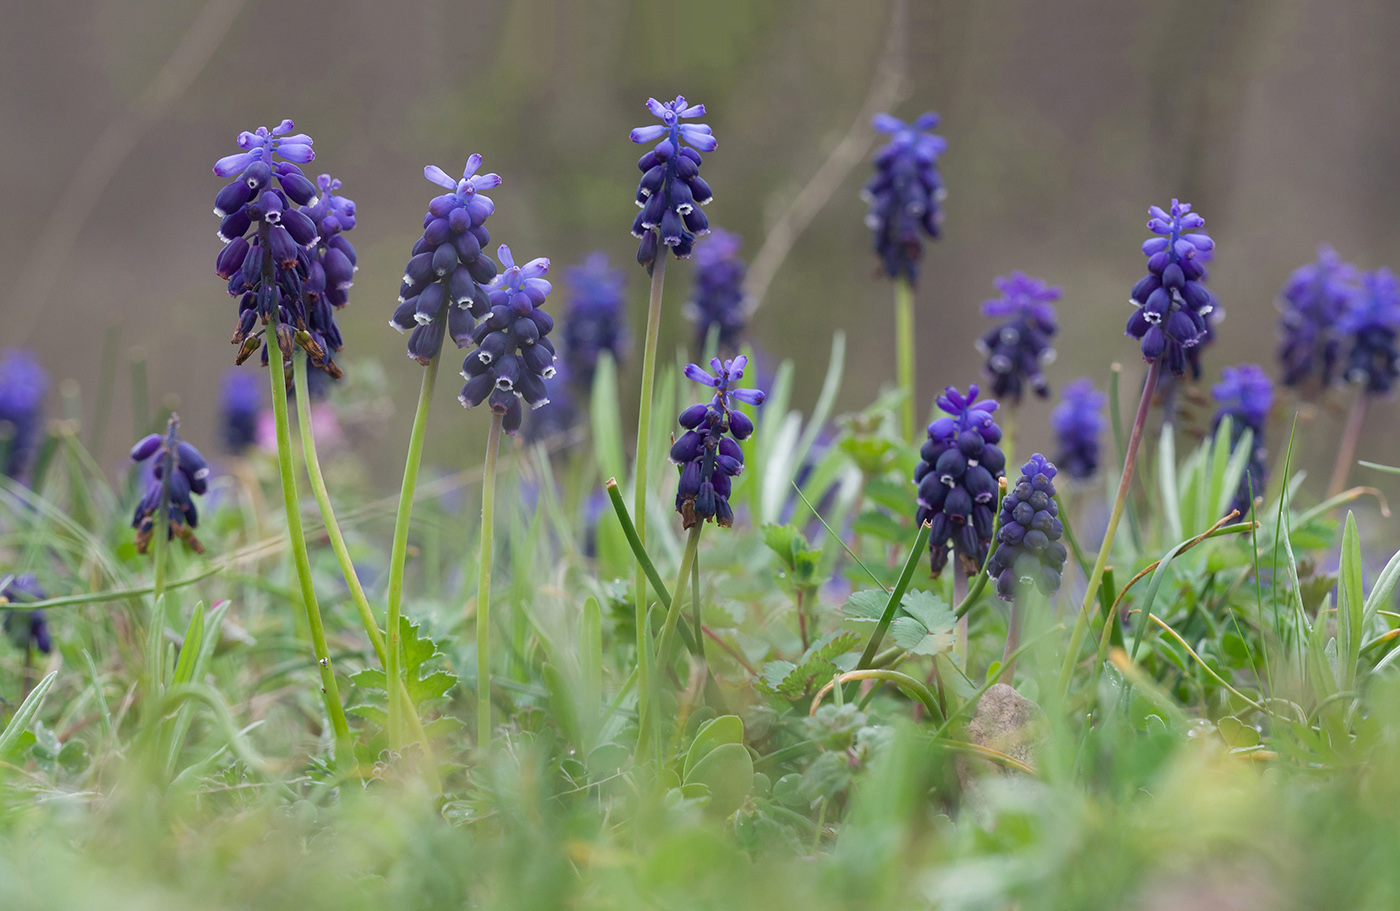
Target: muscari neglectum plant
[
  {"x": 1018, "y": 348},
  {"x": 717, "y": 301},
  {"x": 595, "y": 320},
  {"x": 1310, "y": 305},
  {"x": 1244, "y": 395},
  {"x": 1078, "y": 422},
  {"x": 1370, "y": 328},
  {"x": 23, "y": 384}
]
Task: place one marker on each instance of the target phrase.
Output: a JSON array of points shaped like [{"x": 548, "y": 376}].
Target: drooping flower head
[
  {"x": 239, "y": 408},
  {"x": 596, "y": 319},
  {"x": 1310, "y": 305},
  {"x": 718, "y": 298},
  {"x": 905, "y": 193},
  {"x": 671, "y": 189},
  {"x": 1370, "y": 323},
  {"x": 1172, "y": 300},
  {"x": 1078, "y": 422},
  {"x": 1029, "y": 552},
  {"x": 177, "y": 471},
  {"x": 23, "y": 384},
  {"x": 708, "y": 452},
  {"x": 26, "y": 629},
  {"x": 1016, "y": 349},
  {"x": 268, "y": 268},
  {"x": 1245, "y": 394},
  {"x": 333, "y": 264},
  {"x": 513, "y": 356},
  {"x": 957, "y": 479},
  {"x": 443, "y": 288}
]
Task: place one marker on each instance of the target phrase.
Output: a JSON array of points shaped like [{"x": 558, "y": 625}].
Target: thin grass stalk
[
  {"x": 673, "y": 610},
  {"x": 483, "y": 587},
  {"x": 904, "y": 352},
  {"x": 1351, "y": 438}
]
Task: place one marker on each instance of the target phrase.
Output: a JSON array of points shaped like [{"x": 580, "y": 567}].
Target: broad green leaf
[
  {"x": 714, "y": 733},
  {"x": 9, "y": 738},
  {"x": 865, "y": 606},
  {"x": 727, "y": 771}
]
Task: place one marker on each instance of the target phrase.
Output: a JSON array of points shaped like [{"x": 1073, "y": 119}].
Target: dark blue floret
[
  {"x": 332, "y": 268},
  {"x": 1370, "y": 324},
  {"x": 177, "y": 471},
  {"x": 596, "y": 320},
  {"x": 905, "y": 194},
  {"x": 444, "y": 284},
  {"x": 1310, "y": 305},
  {"x": 708, "y": 452},
  {"x": 241, "y": 403},
  {"x": 23, "y": 384},
  {"x": 1078, "y": 422},
  {"x": 513, "y": 357},
  {"x": 1016, "y": 349},
  {"x": 671, "y": 190},
  {"x": 957, "y": 480},
  {"x": 1029, "y": 552},
  {"x": 1172, "y": 300},
  {"x": 1246, "y": 394},
  {"x": 718, "y": 299},
  {"x": 26, "y": 629}
]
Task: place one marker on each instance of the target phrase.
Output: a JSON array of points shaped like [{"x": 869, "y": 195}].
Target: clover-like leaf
[{"x": 926, "y": 624}]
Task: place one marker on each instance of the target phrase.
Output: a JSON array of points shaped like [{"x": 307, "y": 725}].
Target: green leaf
[
  {"x": 891, "y": 494},
  {"x": 866, "y": 606},
  {"x": 25, "y": 714},
  {"x": 712, "y": 734},
  {"x": 727, "y": 771},
  {"x": 879, "y": 525},
  {"x": 1350, "y": 604},
  {"x": 607, "y": 423}
]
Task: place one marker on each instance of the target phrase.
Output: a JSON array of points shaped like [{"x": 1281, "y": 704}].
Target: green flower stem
[
  {"x": 1351, "y": 436},
  {"x": 483, "y": 587},
  {"x": 1124, "y": 485},
  {"x": 658, "y": 279},
  {"x": 904, "y": 351},
  {"x": 673, "y": 610},
  {"x": 399, "y": 550}
]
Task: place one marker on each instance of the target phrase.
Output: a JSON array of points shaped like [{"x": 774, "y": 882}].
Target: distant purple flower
[
  {"x": 1017, "y": 348},
  {"x": 671, "y": 190},
  {"x": 26, "y": 628},
  {"x": 559, "y": 414},
  {"x": 596, "y": 318},
  {"x": 1310, "y": 305},
  {"x": 906, "y": 192},
  {"x": 1245, "y": 394},
  {"x": 1370, "y": 322},
  {"x": 443, "y": 290},
  {"x": 708, "y": 452},
  {"x": 957, "y": 480},
  {"x": 242, "y": 401},
  {"x": 1029, "y": 552},
  {"x": 1079, "y": 422},
  {"x": 718, "y": 299},
  {"x": 178, "y": 470},
  {"x": 23, "y": 384},
  {"x": 513, "y": 357},
  {"x": 1172, "y": 300}
]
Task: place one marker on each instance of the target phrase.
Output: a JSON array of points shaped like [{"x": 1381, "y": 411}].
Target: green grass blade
[{"x": 25, "y": 714}]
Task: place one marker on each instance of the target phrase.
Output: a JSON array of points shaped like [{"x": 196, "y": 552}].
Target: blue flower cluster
[
  {"x": 1078, "y": 422},
  {"x": 1246, "y": 394},
  {"x": 443, "y": 284},
  {"x": 268, "y": 269},
  {"x": 718, "y": 298},
  {"x": 905, "y": 193},
  {"x": 1029, "y": 552},
  {"x": 957, "y": 479},
  {"x": 333, "y": 264},
  {"x": 176, "y": 472},
  {"x": 1371, "y": 322},
  {"x": 671, "y": 189},
  {"x": 23, "y": 384},
  {"x": 26, "y": 629},
  {"x": 1173, "y": 302},
  {"x": 241, "y": 402},
  {"x": 1310, "y": 305},
  {"x": 708, "y": 452},
  {"x": 1017, "y": 348},
  {"x": 513, "y": 356},
  {"x": 596, "y": 320}
]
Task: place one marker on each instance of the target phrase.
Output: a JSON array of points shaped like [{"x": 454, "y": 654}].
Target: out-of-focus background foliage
[{"x": 1277, "y": 120}]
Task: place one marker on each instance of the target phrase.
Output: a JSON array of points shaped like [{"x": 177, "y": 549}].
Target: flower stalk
[{"x": 483, "y": 587}]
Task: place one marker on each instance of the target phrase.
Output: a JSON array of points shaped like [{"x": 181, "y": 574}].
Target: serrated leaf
[
  {"x": 433, "y": 686},
  {"x": 866, "y": 606},
  {"x": 929, "y": 609},
  {"x": 927, "y": 627},
  {"x": 775, "y": 672},
  {"x": 832, "y": 645}
]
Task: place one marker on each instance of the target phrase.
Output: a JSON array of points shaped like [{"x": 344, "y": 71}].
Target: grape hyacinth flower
[
  {"x": 26, "y": 628},
  {"x": 708, "y": 452},
  {"x": 718, "y": 299},
  {"x": 23, "y": 384},
  {"x": 1017, "y": 348},
  {"x": 1173, "y": 302},
  {"x": 177, "y": 471},
  {"x": 268, "y": 269},
  {"x": 957, "y": 480},
  {"x": 596, "y": 319},
  {"x": 1371, "y": 322},
  {"x": 443, "y": 284},
  {"x": 239, "y": 410},
  {"x": 671, "y": 189},
  {"x": 1078, "y": 422},
  {"x": 513, "y": 356},
  {"x": 1029, "y": 552},
  {"x": 1310, "y": 306},
  {"x": 905, "y": 193},
  {"x": 333, "y": 266},
  {"x": 1245, "y": 394}
]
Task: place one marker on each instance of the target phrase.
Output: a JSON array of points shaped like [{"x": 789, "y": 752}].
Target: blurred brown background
[{"x": 1277, "y": 120}]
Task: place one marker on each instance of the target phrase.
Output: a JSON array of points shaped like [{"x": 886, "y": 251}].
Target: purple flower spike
[
  {"x": 261, "y": 144},
  {"x": 1029, "y": 553},
  {"x": 1370, "y": 323},
  {"x": 239, "y": 409},
  {"x": 596, "y": 319},
  {"x": 1174, "y": 306},
  {"x": 1310, "y": 305},
  {"x": 718, "y": 301},
  {"x": 671, "y": 190},
  {"x": 23, "y": 384},
  {"x": 1017, "y": 349},
  {"x": 1246, "y": 394},
  {"x": 707, "y": 453},
  {"x": 177, "y": 472},
  {"x": 906, "y": 193},
  {"x": 1078, "y": 422},
  {"x": 957, "y": 480},
  {"x": 26, "y": 629}
]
